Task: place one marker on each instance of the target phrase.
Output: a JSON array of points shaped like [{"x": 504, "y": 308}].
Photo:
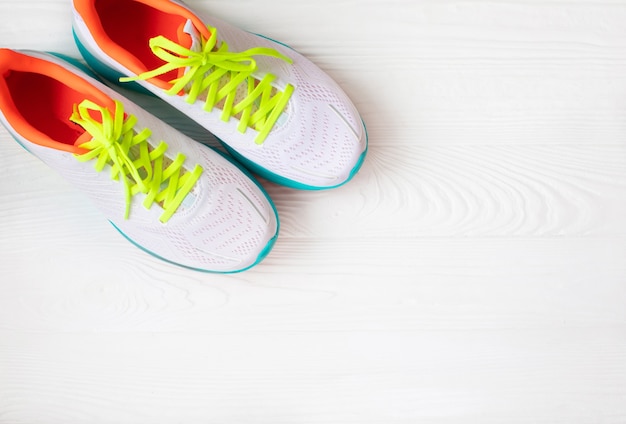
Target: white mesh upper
[
  {"x": 318, "y": 142},
  {"x": 225, "y": 223}
]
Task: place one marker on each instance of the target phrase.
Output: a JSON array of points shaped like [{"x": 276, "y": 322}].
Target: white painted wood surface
[{"x": 473, "y": 272}]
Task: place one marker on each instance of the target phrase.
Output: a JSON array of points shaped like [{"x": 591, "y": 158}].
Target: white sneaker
[
  {"x": 272, "y": 108},
  {"x": 171, "y": 196}
]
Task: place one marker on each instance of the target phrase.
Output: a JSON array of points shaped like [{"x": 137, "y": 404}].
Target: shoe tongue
[
  {"x": 83, "y": 138},
  {"x": 187, "y": 32},
  {"x": 83, "y": 135},
  {"x": 190, "y": 38}
]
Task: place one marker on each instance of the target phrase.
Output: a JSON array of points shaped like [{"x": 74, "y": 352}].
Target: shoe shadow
[
  {"x": 171, "y": 116},
  {"x": 298, "y": 210}
]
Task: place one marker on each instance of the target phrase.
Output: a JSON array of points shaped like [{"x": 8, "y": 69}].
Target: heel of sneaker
[{"x": 104, "y": 71}]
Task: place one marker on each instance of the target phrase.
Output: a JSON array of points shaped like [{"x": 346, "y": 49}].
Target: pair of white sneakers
[{"x": 275, "y": 112}]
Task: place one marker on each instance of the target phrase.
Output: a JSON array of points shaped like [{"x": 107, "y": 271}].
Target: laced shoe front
[
  {"x": 176, "y": 199},
  {"x": 132, "y": 160},
  {"x": 273, "y": 109},
  {"x": 223, "y": 80}
]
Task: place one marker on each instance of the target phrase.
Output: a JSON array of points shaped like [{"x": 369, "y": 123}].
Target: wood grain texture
[{"x": 474, "y": 271}]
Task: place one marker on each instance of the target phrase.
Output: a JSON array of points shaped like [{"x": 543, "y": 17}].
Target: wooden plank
[{"x": 473, "y": 272}]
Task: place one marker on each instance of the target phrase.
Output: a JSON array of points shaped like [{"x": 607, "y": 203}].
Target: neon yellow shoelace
[
  {"x": 142, "y": 168},
  {"x": 204, "y": 72}
]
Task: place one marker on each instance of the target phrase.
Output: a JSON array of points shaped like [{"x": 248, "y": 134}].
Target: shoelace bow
[
  {"x": 203, "y": 74},
  {"x": 142, "y": 170}
]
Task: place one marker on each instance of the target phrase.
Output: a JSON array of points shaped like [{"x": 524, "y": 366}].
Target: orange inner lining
[
  {"x": 37, "y": 99},
  {"x": 131, "y": 25},
  {"x": 123, "y": 29},
  {"x": 46, "y": 104}
]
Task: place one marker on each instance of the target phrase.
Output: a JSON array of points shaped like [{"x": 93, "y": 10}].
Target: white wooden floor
[{"x": 473, "y": 272}]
